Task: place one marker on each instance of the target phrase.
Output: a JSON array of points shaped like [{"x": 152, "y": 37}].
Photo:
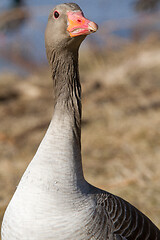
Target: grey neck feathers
[{"x": 67, "y": 88}]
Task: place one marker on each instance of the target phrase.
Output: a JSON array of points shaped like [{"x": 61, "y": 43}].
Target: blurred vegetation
[
  {"x": 143, "y": 5},
  {"x": 121, "y": 114}
]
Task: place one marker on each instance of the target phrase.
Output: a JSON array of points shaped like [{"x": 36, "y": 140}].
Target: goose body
[{"x": 53, "y": 201}]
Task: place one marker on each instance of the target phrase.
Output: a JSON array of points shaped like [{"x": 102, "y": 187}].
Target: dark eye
[{"x": 56, "y": 14}]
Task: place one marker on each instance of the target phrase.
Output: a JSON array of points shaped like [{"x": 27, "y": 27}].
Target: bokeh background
[{"x": 120, "y": 75}]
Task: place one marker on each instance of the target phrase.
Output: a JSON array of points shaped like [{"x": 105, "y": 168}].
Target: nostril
[{"x": 79, "y": 20}]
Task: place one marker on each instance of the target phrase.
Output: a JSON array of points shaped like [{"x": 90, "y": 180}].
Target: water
[
  {"x": 100, "y": 11},
  {"x": 30, "y": 36}
]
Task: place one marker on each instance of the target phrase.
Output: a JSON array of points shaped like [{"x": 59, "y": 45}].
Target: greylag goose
[{"x": 53, "y": 201}]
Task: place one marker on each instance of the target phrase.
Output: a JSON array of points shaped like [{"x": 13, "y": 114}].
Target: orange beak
[{"x": 79, "y": 25}]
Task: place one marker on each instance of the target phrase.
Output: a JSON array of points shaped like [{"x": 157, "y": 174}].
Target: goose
[{"x": 53, "y": 201}]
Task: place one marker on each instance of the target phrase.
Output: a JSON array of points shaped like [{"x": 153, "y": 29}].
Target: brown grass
[{"x": 120, "y": 128}]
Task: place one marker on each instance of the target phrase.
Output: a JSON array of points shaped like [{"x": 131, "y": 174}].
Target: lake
[{"x": 29, "y": 37}]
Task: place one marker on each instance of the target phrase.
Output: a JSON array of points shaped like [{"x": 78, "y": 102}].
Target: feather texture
[{"x": 53, "y": 201}]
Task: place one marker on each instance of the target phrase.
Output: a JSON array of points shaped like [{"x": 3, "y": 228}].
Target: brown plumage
[{"x": 53, "y": 201}]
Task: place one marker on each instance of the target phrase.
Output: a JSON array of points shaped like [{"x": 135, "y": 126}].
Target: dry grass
[{"x": 120, "y": 128}]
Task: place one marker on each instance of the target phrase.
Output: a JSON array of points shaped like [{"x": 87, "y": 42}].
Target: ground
[{"x": 120, "y": 126}]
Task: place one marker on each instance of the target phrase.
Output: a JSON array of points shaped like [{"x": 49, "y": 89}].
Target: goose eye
[{"x": 56, "y": 14}]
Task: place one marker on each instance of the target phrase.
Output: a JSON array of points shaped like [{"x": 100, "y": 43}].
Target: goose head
[{"x": 67, "y": 27}]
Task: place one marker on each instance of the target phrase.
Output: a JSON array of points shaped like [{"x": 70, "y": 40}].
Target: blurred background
[{"x": 120, "y": 75}]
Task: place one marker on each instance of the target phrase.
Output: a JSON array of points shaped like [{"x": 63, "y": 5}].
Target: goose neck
[
  {"x": 67, "y": 88},
  {"x": 62, "y": 142}
]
